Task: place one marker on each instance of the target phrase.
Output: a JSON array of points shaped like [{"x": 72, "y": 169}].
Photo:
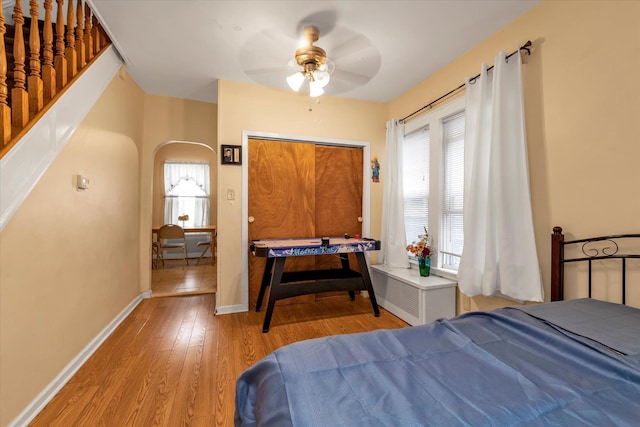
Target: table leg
[
  {"x": 344, "y": 260},
  {"x": 274, "y": 294},
  {"x": 362, "y": 263},
  {"x": 266, "y": 279}
]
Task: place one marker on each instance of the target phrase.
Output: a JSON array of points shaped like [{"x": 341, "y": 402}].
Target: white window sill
[{"x": 441, "y": 272}]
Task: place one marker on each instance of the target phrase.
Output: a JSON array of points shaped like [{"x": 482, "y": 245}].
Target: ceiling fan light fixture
[
  {"x": 315, "y": 89},
  {"x": 295, "y": 81},
  {"x": 315, "y": 65},
  {"x": 321, "y": 78}
]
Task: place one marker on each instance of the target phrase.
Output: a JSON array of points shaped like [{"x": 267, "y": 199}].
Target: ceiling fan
[
  {"x": 310, "y": 64},
  {"x": 266, "y": 56}
]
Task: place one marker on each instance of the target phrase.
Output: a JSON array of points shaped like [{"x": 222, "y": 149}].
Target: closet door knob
[{"x": 251, "y": 219}]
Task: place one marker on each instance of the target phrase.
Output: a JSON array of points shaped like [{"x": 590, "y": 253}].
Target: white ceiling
[{"x": 180, "y": 48}]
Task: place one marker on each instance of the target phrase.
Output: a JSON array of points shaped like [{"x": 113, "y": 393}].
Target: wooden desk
[
  {"x": 291, "y": 284},
  {"x": 206, "y": 229}
]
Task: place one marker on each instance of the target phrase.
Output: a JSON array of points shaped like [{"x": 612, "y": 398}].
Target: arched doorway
[{"x": 172, "y": 276}]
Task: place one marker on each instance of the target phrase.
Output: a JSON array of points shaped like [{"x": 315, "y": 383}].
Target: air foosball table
[{"x": 291, "y": 284}]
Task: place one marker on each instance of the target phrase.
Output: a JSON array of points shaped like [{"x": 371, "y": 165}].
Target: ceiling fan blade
[
  {"x": 353, "y": 44},
  {"x": 349, "y": 77},
  {"x": 282, "y": 71}
]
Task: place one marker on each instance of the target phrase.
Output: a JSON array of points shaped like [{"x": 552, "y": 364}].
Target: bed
[{"x": 567, "y": 362}]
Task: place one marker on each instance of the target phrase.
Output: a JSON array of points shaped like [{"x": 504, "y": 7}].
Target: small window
[
  {"x": 187, "y": 194},
  {"x": 415, "y": 178},
  {"x": 453, "y": 192}
]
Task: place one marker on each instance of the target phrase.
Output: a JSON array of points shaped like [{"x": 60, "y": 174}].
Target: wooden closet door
[
  {"x": 281, "y": 199},
  {"x": 302, "y": 190},
  {"x": 338, "y": 191}
]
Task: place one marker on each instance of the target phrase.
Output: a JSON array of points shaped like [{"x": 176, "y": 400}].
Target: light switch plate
[{"x": 82, "y": 182}]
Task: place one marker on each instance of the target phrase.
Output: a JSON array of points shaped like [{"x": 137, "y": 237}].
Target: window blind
[
  {"x": 453, "y": 191},
  {"x": 416, "y": 182}
]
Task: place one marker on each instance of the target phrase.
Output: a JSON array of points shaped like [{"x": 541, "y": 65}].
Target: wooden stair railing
[{"x": 30, "y": 85}]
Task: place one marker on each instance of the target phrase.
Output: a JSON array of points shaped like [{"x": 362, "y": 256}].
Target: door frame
[{"x": 366, "y": 190}]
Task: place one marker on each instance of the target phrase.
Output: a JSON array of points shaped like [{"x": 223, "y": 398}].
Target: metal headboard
[{"x": 610, "y": 251}]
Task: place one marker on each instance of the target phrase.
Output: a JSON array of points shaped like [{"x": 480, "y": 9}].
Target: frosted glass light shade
[
  {"x": 295, "y": 81},
  {"x": 315, "y": 89},
  {"x": 321, "y": 77}
]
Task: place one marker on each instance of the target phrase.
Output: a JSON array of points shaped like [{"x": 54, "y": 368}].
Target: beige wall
[
  {"x": 166, "y": 121},
  {"x": 187, "y": 152},
  {"x": 244, "y": 107},
  {"x": 582, "y": 96},
  {"x": 70, "y": 259}
]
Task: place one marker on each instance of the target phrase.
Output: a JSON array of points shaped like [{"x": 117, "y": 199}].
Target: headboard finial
[{"x": 557, "y": 230}]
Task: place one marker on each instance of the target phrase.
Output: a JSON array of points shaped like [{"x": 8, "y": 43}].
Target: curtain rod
[{"x": 525, "y": 46}]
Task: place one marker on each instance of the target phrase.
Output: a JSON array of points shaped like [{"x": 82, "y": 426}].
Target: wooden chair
[
  {"x": 173, "y": 232},
  {"x": 156, "y": 254}
]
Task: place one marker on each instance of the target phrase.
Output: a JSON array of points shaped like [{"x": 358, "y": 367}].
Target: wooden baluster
[
  {"x": 48, "y": 71},
  {"x": 5, "y": 110},
  {"x": 88, "y": 38},
  {"x": 105, "y": 38},
  {"x": 60, "y": 62},
  {"x": 34, "y": 81},
  {"x": 19, "y": 95},
  {"x": 70, "y": 51},
  {"x": 80, "y": 36},
  {"x": 95, "y": 34}
]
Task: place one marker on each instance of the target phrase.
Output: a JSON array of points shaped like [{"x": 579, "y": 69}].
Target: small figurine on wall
[{"x": 375, "y": 170}]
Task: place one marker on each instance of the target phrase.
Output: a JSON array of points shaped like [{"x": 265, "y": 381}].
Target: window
[
  {"x": 186, "y": 194},
  {"x": 415, "y": 181},
  {"x": 433, "y": 181},
  {"x": 452, "y": 192}
]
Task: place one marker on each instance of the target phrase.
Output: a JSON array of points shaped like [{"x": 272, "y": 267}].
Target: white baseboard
[
  {"x": 228, "y": 309},
  {"x": 38, "y": 404}
]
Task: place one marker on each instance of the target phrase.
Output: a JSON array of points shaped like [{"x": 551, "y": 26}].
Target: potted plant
[{"x": 421, "y": 249}]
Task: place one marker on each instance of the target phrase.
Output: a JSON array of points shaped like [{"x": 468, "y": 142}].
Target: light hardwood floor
[
  {"x": 172, "y": 362},
  {"x": 175, "y": 277}
]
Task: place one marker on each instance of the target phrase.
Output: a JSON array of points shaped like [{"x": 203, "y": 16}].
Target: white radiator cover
[{"x": 416, "y": 300}]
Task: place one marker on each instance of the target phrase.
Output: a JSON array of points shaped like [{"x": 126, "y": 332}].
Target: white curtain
[
  {"x": 499, "y": 255},
  {"x": 393, "y": 251},
  {"x": 198, "y": 208}
]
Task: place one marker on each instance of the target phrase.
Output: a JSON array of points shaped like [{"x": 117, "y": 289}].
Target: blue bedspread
[{"x": 500, "y": 368}]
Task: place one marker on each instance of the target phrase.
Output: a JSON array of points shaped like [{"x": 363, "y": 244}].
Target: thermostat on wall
[{"x": 82, "y": 182}]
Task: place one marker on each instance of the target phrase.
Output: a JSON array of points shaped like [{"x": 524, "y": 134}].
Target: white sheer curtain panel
[
  {"x": 393, "y": 252},
  {"x": 198, "y": 208},
  {"x": 499, "y": 255}
]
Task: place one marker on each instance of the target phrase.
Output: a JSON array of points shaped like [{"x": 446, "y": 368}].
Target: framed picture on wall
[{"x": 231, "y": 154}]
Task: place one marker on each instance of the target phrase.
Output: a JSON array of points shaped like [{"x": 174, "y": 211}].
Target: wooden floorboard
[{"x": 173, "y": 362}]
